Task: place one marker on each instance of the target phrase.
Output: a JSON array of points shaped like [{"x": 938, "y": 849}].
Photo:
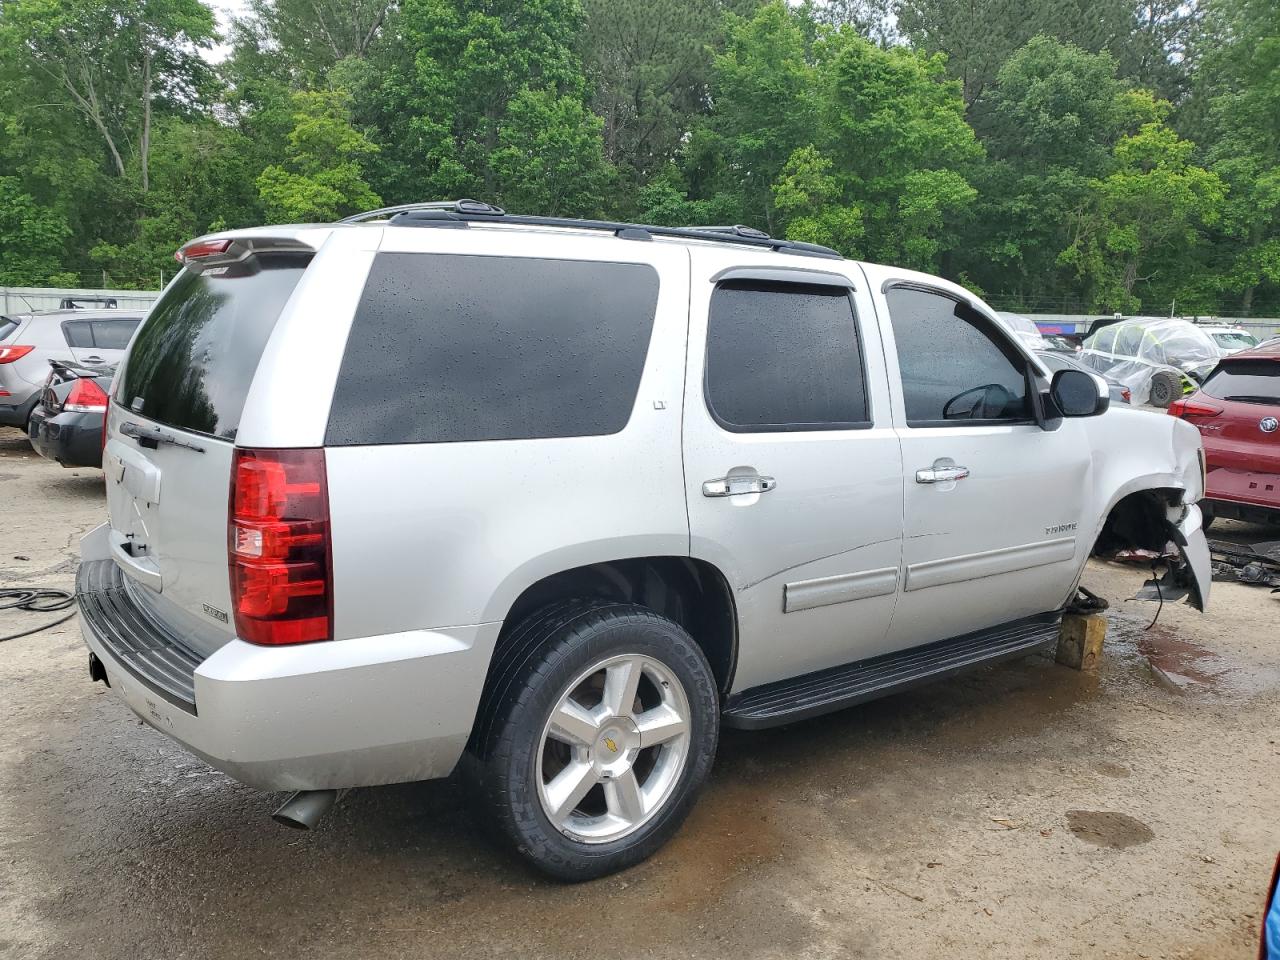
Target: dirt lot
[{"x": 1023, "y": 811}]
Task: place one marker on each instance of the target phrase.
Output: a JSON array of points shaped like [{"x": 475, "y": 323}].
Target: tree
[
  {"x": 309, "y": 37},
  {"x": 31, "y": 239},
  {"x": 202, "y": 180},
  {"x": 322, "y": 178},
  {"x": 114, "y": 63},
  {"x": 1144, "y": 221},
  {"x": 765, "y": 106},
  {"x": 1056, "y": 114},
  {"x": 649, "y": 69},
  {"x": 549, "y": 157},
  {"x": 1236, "y": 108},
  {"x": 890, "y": 158}
]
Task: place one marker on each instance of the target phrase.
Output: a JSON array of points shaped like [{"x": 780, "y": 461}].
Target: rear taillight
[
  {"x": 278, "y": 547},
  {"x": 1193, "y": 408},
  {"x": 1126, "y": 395},
  {"x": 14, "y": 352},
  {"x": 86, "y": 397}
]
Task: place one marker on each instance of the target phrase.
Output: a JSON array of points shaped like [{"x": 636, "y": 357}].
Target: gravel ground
[{"x": 1026, "y": 810}]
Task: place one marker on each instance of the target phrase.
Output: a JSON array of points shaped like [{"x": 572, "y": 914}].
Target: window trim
[
  {"x": 748, "y": 275},
  {"x": 1037, "y": 417}
]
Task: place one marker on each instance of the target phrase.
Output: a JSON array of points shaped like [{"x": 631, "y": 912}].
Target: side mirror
[{"x": 1079, "y": 394}]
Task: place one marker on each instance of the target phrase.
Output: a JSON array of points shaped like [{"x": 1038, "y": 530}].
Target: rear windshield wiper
[
  {"x": 154, "y": 436},
  {"x": 1252, "y": 398}
]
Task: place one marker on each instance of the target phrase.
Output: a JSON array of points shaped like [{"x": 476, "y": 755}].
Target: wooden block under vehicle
[{"x": 1080, "y": 640}]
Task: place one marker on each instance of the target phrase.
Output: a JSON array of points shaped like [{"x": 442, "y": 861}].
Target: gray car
[
  {"x": 1055, "y": 360},
  {"x": 555, "y": 500},
  {"x": 29, "y": 341}
]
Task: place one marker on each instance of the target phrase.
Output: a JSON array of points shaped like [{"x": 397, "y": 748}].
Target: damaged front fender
[{"x": 1197, "y": 571}]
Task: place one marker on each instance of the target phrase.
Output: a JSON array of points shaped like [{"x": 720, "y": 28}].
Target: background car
[
  {"x": 1237, "y": 412},
  {"x": 1056, "y": 361},
  {"x": 1063, "y": 342},
  {"x": 29, "y": 341},
  {"x": 1158, "y": 358},
  {"x": 67, "y": 424},
  {"x": 1025, "y": 329},
  {"x": 1230, "y": 339}
]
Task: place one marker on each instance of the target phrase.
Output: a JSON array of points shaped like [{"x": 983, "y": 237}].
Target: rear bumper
[
  {"x": 1253, "y": 488},
  {"x": 345, "y": 713},
  {"x": 14, "y": 413},
  {"x": 72, "y": 439}
]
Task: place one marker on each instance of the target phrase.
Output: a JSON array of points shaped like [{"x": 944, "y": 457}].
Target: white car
[
  {"x": 558, "y": 499},
  {"x": 1230, "y": 339}
]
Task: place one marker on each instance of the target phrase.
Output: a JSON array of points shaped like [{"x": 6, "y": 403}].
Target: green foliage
[
  {"x": 1143, "y": 218},
  {"x": 1061, "y": 154},
  {"x": 321, "y": 178},
  {"x": 31, "y": 240}
]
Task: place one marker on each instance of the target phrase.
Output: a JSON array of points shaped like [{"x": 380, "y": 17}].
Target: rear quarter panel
[{"x": 446, "y": 534}]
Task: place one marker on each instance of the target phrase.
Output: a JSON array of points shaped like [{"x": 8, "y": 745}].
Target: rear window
[
  {"x": 1249, "y": 381},
  {"x": 448, "y": 348},
  {"x": 194, "y": 358}
]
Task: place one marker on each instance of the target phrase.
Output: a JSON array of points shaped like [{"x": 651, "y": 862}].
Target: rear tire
[
  {"x": 596, "y": 732},
  {"x": 1165, "y": 388}
]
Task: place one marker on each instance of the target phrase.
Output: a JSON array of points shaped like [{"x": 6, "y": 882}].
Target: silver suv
[
  {"x": 553, "y": 500},
  {"x": 29, "y": 341}
]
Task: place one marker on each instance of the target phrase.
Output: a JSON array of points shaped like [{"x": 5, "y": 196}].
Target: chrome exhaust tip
[{"x": 303, "y": 810}]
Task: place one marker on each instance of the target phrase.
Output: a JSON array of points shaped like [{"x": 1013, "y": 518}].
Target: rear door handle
[
  {"x": 733, "y": 486},
  {"x": 938, "y": 474}
]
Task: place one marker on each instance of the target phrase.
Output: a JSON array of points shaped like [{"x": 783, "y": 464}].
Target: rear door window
[
  {"x": 784, "y": 356},
  {"x": 1248, "y": 381},
  {"x": 450, "y": 348},
  {"x": 194, "y": 358},
  {"x": 79, "y": 333}
]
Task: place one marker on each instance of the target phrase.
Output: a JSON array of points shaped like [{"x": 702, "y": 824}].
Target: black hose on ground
[{"x": 36, "y": 600}]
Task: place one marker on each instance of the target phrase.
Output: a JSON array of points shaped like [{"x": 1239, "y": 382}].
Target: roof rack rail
[{"x": 460, "y": 213}]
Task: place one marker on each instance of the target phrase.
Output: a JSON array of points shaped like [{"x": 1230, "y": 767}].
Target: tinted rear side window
[
  {"x": 194, "y": 358},
  {"x": 1251, "y": 381},
  {"x": 784, "y": 356},
  {"x": 7, "y": 326},
  {"x": 448, "y": 348}
]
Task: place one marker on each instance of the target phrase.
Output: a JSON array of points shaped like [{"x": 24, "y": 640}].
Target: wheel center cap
[{"x": 616, "y": 747}]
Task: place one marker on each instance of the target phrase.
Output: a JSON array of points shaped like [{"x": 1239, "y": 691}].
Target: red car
[{"x": 1237, "y": 411}]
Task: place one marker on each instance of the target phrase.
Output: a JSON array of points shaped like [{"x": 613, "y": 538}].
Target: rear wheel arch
[{"x": 691, "y": 592}]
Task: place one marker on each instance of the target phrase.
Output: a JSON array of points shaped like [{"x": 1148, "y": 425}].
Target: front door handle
[
  {"x": 941, "y": 474},
  {"x": 733, "y": 486}
]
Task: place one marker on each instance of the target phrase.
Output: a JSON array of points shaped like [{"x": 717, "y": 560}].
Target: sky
[{"x": 224, "y": 10}]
